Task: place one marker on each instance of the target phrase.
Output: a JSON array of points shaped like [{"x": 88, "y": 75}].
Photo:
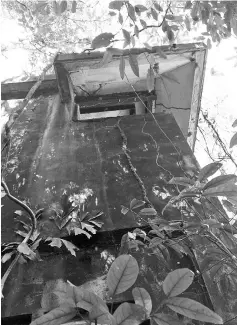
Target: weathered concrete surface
[
  {"x": 51, "y": 155},
  {"x": 88, "y": 269}
]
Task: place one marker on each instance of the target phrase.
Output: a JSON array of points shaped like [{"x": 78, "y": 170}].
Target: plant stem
[{"x": 27, "y": 238}]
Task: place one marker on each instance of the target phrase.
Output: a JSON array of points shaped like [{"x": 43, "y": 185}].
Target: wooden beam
[{"x": 19, "y": 90}]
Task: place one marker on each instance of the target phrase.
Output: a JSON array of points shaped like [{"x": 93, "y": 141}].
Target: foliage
[
  {"x": 121, "y": 273},
  {"x": 51, "y": 26}
]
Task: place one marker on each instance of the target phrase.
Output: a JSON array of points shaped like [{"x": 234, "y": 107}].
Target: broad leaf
[
  {"x": 107, "y": 57},
  {"x": 140, "y": 8},
  {"x": 208, "y": 171},
  {"x": 134, "y": 64},
  {"x": 154, "y": 14},
  {"x": 87, "y": 300},
  {"x": 148, "y": 212},
  {"x": 150, "y": 80},
  {"x": 63, "y": 6},
  {"x": 136, "y": 31},
  {"x": 102, "y": 40},
  {"x": 129, "y": 314},
  {"x": 142, "y": 298},
  {"x": 25, "y": 249},
  {"x": 120, "y": 18},
  {"x": 234, "y": 123},
  {"x": 122, "y": 67},
  {"x": 57, "y": 293},
  {"x": 161, "y": 53},
  {"x": 74, "y": 7},
  {"x": 177, "y": 282},
  {"x": 164, "y": 319},
  {"x": 228, "y": 190},
  {"x": 187, "y": 23},
  {"x": 124, "y": 245},
  {"x": 193, "y": 309},
  {"x": 233, "y": 141},
  {"x": 116, "y": 5},
  {"x": 143, "y": 23},
  {"x": 127, "y": 37},
  {"x": 112, "y": 13},
  {"x": 220, "y": 180},
  {"x": 122, "y": 274},
  {"x": 131, "y": 12},
  {"x": 55, "y": 242},
  {"x": 70, "y": 247},
  {"x": 102, "y": 315},
  {"x": 124, "y": 210},
  {"x": 182, "y": 181},
  {"x": 136, "y": 204},
  {"x": 170, "y": 35},
  {"x": 7, "y": 257},
  {"x": 157, "y": 6},
  {"x": 229, "y": 206},
  {"x": 56, "y": 316}
]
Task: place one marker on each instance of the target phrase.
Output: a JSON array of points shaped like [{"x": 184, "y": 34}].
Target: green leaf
[
  {"x": 136, "y": 204},
  {"x": 143, "y": 23},
  {"x": 70, "y": 247},
  {"x": 229, "y": 206},
  {"x": 79, "y": 231},
  {"x": 229, "y": 190},
  {"x": 63, "y": 6},
  {"x": 129, "y": 314},
  {"x": 142, "y": 298},
  {"x": 116, "y": 5},
  {"x": 193, "y": 309},
  {"x": 102, "y": 40},
  {"x": 25, "y": 249},
  {"x": 170, "y": 76},
  {"x": 112, "y": 13},
  {"x": 74, "y": 7},
  {"x": 120, "y": 18},
  {"x": 150, "y": 80},
  {"x": 127, "y": 37},
  {"x": 147, "y": 46},
  {"x": 56, "y": 293},
  {"x": 208, "y": 171},
  {"x": 134, "y": 64},
  {"x": 131, "y": 12},
  {"x": 170, "y": 35},
  {"x": 209, "y": 46},
  {"x": 88, "y": 300},
  {"x": 182, "y": 181},
  {"x": 220, "y": 180},
  {"x": 164, "y": 319},
  {"x": 234, "y": 123},
  {"x": 56, "y": 316},
  {"x": 7, "y": 257},
  {"x": 124, "y": 210},
  {"x": 107, "y": 57},
  {"x": 124, "y": 245},
  {"x": 188, "y": 5},
  {"x": 187, "y": 23},
  {"x": 136, "y": 31},
  {"x": 154, "y": 14},
  {"x": 148, "y": 212},
  {"x": 161, "y": 53},
  {"x": 233, "y": 141},
  {"x": 102, "y": 315},
  {"x": 55, "y": 242},
  {"x": 157, "y": 6},
  {"x": 140, "y": 8},
  {"x": 177, "y": 282},
  {"x": 122, "y": 274}
]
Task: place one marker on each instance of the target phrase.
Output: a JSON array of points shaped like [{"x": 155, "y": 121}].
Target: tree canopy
[{"x": 74, "y": 26}]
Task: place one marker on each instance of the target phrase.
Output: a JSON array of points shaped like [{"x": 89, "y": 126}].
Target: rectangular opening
[{"x": 89, "y": 108}]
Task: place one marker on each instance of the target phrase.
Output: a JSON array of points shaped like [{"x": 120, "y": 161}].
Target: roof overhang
[{"x": 89, "y": 76}]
